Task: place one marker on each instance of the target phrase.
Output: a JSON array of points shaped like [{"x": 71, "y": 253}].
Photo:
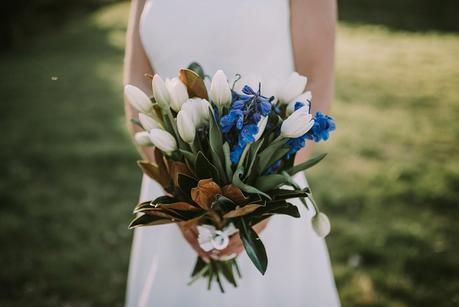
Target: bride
[{"x": 261, "y": 39}]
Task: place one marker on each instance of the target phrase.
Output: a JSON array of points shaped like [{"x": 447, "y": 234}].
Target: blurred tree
[
  {"x": 21, "y": 19},
  {"x": 413, "y": 15}
]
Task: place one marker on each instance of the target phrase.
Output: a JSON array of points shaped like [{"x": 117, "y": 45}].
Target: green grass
[{"x": 68, "y": 178}]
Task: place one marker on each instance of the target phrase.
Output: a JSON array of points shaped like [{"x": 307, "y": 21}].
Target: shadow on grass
[{"x": 68, "y": 179}]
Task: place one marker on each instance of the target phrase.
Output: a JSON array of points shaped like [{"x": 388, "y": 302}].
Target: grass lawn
[{"x": 68, "y": 178}]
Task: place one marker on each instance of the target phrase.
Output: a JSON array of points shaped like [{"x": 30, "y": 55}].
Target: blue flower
[
  {"x": 248, "y": 134},
  {"x": 323, "y": 125},
  {"x": 295, "y": 145},
  {"x": 239, "y": 126},
  {"x": 235, "y": 154},
  {"x": 233, "y": 118}
]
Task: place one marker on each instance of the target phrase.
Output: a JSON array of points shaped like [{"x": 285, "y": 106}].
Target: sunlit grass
[{"x": 390, "y": 183}]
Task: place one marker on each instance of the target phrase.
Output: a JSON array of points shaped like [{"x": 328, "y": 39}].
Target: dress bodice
[{"x": 249, "y": 37}]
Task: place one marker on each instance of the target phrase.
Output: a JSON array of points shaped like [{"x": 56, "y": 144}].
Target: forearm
[
  {"x": 313, "y": 26},
  {"x": 136, "y": 65}
]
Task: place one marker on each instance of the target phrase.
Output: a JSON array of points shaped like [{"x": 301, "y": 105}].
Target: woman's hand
[{"x": 234, "y": 248}]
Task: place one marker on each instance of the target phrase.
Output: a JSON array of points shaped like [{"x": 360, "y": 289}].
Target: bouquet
[{"x": 225, "y": 159}]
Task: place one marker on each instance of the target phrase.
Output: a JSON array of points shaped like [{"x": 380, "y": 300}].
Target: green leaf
[
  {"x": 191, "y": 157},
  {"x": 253, "y": 158},
  {"x": 148, "y": 220},
  {"x": 226, "y": 268},
  {"x": 271, "y": 154},
  {"x": 226, "y": 152},
  {"x": 253, "y": 246},
  {"x": 205, "y": 169},
  {"x": 267, "y": 183},
  {"x": 216, "y": 144},
  {"x": 305, "y": 165},
  {"x": 245, "y": 187},
  {"x": 197, "y": 69}
]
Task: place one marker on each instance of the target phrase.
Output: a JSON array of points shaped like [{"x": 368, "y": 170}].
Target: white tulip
[
  {"x": 163, "y": 140},
  {"x": 138, "y": 99},
  {"x": 297, "y": 124},
  {"x": 148, "y": 123},
  {"x": 186, "y": 127},
  {"x": 261, "y": 127},
  {"x": 177, "y": 92},
  {"x": 220, "y": 92},
  {"x": 160, "y": 92},
  {"x": 198, "y": 110},
  {"x": 305, "y": 98},
  {"x": 321, "y": 224},
  {"x": 142, "y": 138},
  {"x": 292, "y": 88}
]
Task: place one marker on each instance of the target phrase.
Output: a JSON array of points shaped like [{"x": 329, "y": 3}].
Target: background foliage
[{"x": 390, "y": 183}]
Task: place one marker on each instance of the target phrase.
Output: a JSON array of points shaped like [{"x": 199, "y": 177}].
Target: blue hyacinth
[{"x": 239, "y": 126}]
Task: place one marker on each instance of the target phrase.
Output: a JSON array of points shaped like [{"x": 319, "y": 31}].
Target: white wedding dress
[{"x": 249, "y": 37}]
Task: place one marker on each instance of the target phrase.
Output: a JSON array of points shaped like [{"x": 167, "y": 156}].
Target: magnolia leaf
[
  {"x": 148, "y": 220},
  {"x": 278, "y": 207},
  {"x": 222, "y": 204},
  {"x": 197, "y": 69},
  {"x": 205, "y": 193},
  {"x": 234, "y": 193},
  {"x": 162, "y": 213},
  {"x": 176, "y": 168},
  {"x": 151, "y": 203},
  {"x": 267, "y": 183},
  {"x": 245, "y": 187},
  {"x": 193, "y": 221},
  {"x": 242, "y": 211},
  {"x": 287, "y": 209},
  {"x": 205, "y": 169},
  {"x": 142, "y": 205},
  {"x": 163, "y": 171},
  {"x": 253, "y": 246},
  {"x": 186, "y": 183},
  {"x": 305, "y": 165},
  {"x": 194, "y": 84},
  {"x": 153, "y": 171},
  {"x": 181, "y": 205},
  {"x": 286, "y": 194}
]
